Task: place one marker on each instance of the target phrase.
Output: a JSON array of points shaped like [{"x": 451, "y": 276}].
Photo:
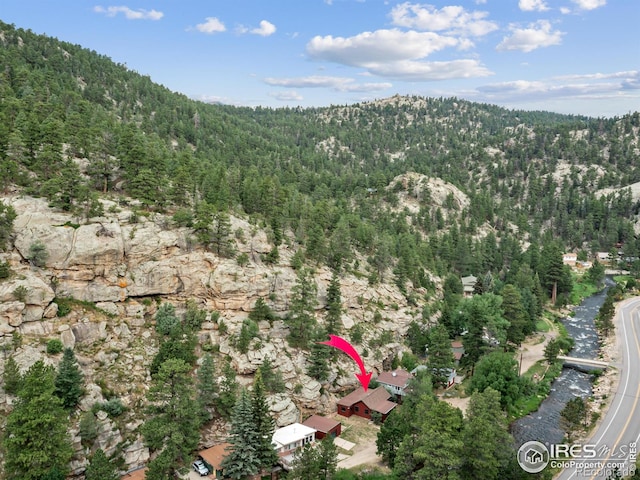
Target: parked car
[{"x": 200, "y": 468}]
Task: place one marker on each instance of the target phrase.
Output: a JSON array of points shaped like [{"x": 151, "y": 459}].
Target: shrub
[
  {"x": 166, "y": 319},
  {"x": 5, "y": 271},
  {"x": 20, "y": 293},
  {"x": 88, "y": 428},
  {"x": 64, "y": 306},
  {"x": 183, "y": 218},
  {"x": 243, "y": 259},
  {"x": 194, "y": 316},
  {"x": 113, "y": 407},
  {"x": 54, "y": 346},
  {"x": 38, "y": 254}
]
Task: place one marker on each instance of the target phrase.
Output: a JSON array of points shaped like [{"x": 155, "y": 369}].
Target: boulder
[
  {"x": 283, "y": 409},
  {"x": 11, "y": 313},
  {"x": 136, "y": 454}
]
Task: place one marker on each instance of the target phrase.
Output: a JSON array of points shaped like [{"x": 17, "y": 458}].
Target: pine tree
[
  {"x": 301, "y": 319},
  {"x": 264, "y": 425},
  {"x": 334, "y": 305},
  {"x": 513, "y": 311},
  {"x": 243, "y": 460},
  {"x": 319, "y": 358},
  {"x": 69, "y": 380},
  {"x": 485, "y": 434},
  {"x": 173, "y": 426},
  {"x": 315, "y": 461},
  {"x": 207, "y": 386},
  {"x": 12, "y": 377},
  {"x": 228, "y": 391},
  {"x": 36, "y": 440},
  {"x": 100, "y": 468},
  {"x": 440, "y": 360},
  {"x": 261, "y": 312},
  {"x": 271, "y": 377}
]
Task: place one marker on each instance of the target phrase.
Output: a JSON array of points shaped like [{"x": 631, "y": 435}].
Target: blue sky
[{"x": 568, "y": 56}]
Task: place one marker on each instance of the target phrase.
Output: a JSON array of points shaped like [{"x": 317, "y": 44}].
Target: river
[{"x": 543, "y": 425}]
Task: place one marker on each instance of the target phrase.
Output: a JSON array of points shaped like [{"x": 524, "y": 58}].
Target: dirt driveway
[{"x": 363, "y": 433}]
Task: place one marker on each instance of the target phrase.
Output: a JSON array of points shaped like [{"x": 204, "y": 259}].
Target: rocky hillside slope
[{"x": 118, "y": 268}]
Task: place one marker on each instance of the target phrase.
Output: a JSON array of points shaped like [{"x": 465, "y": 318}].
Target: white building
[{"x": 287, "y": 440}]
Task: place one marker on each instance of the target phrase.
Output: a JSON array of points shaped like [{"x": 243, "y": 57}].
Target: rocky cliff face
[{"x": 123, "y": 267}]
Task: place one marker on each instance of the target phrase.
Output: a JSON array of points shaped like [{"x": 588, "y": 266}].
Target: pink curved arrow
[{"x": 341, "y": 344}]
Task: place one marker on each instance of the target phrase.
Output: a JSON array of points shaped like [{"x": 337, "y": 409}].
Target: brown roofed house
[
  {"x": 396, "y": 381},
  {"x": 212, "y": 458},
  {"x": 364, "y": 404},
  {"x": 138, "y": 474},
  {"x": 324, "y": 426}
]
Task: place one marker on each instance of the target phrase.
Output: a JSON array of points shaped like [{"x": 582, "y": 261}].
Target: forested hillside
[
  {"x": 178, "y": 237},
  {"x": 75, "y": 124}
]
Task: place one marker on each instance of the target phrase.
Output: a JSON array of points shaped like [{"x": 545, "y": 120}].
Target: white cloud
[
  {"x": 413, "y": 71},
  {"x": 378, "y": 47},
  {"x": 565, "y": 10},
  {"x": 211, "y": 25},
  {"x": 290, "y": 96},
  {"x": 533, "y": 5},
  {"x": 129, "y": 14},
  {"x": 454, "y": 19},
  {"x": 397, "y": 54},
  {"x": 340, "y": 84},
  {"x": 266, "y": 28},
  {"x": 596, "y": 85},
  {"x": 536, "y": 35},
  {"x": 590, "y": 4}
]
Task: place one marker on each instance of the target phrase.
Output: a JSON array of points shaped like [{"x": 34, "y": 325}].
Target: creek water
[{"x": 543, "y": 425}]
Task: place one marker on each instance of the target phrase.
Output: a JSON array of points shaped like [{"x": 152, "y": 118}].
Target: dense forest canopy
[{"x": 74, "y": 124}]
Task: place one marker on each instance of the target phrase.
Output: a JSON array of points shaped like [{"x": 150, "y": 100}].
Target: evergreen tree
[
  {"x": 604, "y": 319},
  {"x": 440, "y": 358},
  {"x": 319, "y": 358},
  {"x": 36, "y": 440},
  {"x": 514, "y": 313},
  {"x": 264, "y": 425},
  {"x": 69, "y": 380},
  {"x": 485, "y": 434},
  {"x": 436, "y": 451},
  {"x": 173, "y": 426},
  {"x": 271, "y": 377},
  {"x": 334, "y": 305},
  {"x": 100, "y": 468},
  {"x": 221, "y": 235},
  {"x": 301, "y": 319},
  {"x": 402, "y": 421},
  {"x": 7, "y": 216},
  {"x": 574, "y": 416},
  {"x": 315, "y": 461},
  {"x": 243, "y": 459},
  {"x": 12, "y": 378},
  {"x": 228, "y": 391},
  {"x": 261, "y": 312},
  {"x": 207, "y": 386}
]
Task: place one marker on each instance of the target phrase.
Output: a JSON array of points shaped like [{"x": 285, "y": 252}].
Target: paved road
[{"x": 616, "y": 438}]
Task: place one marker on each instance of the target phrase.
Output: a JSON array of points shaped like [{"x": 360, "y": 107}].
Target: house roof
[
  {"x": 397, "y": 378},
  {"x": 320, "y": 423},
  {"x": 138, "y": 474},
  {"x": 291, "y": 433},
  {"x": 469, "y": 280},
  {"x": 376, "y": 399},
  {"x": 215, "y": 454}
]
